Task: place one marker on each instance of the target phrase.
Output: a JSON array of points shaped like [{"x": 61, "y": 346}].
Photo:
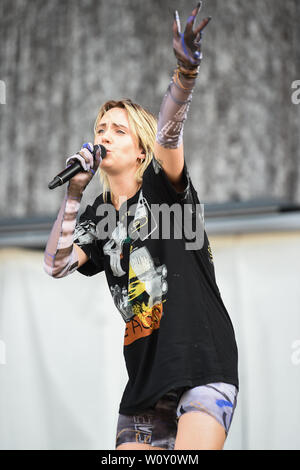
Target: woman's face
[{"x": 123, "y": 152}]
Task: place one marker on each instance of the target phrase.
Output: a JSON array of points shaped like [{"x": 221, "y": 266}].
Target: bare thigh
[
  {"x": 199, "y": 431},
  {"x": 205, "y": 413}
]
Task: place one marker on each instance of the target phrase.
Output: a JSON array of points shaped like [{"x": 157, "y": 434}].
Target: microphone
[{"x": 73, "y": 169}]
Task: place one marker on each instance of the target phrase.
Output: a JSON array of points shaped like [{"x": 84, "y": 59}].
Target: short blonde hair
[{"x": 144, "y": 126}]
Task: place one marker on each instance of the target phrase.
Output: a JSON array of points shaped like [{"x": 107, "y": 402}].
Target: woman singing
[{"x": 179, "y": 343}]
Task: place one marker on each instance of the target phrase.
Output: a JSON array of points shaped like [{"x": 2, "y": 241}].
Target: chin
[
  {"x": 106, "y": 162},
  {"x": 109, "y": 166}
]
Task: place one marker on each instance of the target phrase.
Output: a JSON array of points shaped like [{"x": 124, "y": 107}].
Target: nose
[
  {"x": 103, "y": 137},
  {"x": 106, "y": 136}
]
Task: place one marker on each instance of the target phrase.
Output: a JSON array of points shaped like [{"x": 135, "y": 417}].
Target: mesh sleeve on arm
[
  {"x": 173, "y": 111},
  {"x": 60, "y": 257}
]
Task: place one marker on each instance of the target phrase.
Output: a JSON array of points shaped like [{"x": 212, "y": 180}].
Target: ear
[{"x": 142, "y": 156}]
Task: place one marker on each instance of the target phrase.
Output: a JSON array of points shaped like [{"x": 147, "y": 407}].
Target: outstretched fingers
[
  {"x": 176, "y": 24},
  {"x": 202, "y": 25},
  {"x": 191, "y": 19},
  {"x": 187, "y": 45}
]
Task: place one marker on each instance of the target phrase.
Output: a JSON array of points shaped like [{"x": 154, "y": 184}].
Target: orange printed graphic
[{"x": 143, "y": 324}]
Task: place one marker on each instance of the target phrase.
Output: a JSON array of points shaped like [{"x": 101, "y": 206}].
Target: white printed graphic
[
  {"x": 140, "y": 225},
  {"x": 153, "y": 278},
  {"x": 113, "y": 248}
]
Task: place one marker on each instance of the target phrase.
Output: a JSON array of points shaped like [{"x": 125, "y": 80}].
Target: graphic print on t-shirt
[
  {"x": 144, "y": 223},
  {"x": 146, "y": 286},
  {"x": 114, "y": 247},
  {"x": 140, "y": 304}
]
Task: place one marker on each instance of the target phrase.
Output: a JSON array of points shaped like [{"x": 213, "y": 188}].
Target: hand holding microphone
[{"x": 80, "y": 169}]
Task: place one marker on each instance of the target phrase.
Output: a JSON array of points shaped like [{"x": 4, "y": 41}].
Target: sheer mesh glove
[{"x": 187, "y": 45}]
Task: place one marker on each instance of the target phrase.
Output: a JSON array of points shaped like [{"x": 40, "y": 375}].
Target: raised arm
[{"x": 175, "y": 105}]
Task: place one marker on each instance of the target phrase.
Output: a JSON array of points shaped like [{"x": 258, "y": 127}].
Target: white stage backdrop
[{"x": 62, "y": 371}]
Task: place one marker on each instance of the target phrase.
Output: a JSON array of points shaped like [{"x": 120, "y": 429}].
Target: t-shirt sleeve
[
  {"x": 160, "y": 187},
  {"x": 85, "y": 236},
  {"x": 156, "y": 177}
]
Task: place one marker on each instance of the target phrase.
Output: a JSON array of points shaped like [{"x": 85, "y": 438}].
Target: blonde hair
[{"x": 144, "y": 127}]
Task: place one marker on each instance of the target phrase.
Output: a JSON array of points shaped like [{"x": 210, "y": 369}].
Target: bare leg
[{"x": 199, "y": 431}]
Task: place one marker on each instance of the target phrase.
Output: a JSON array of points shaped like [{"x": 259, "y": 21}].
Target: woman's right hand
[
  {"x": 187, "y": 45},
  {"x": 89, "y": 163}
]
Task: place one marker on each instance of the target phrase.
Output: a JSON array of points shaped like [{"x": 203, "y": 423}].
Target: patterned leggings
[{"x": 157, "y": 426}]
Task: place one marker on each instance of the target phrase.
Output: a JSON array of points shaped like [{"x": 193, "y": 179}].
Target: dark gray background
[{"x": 60, "y": 60}]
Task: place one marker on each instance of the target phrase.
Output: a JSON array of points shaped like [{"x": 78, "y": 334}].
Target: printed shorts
[{"x": 157, "y": 426}]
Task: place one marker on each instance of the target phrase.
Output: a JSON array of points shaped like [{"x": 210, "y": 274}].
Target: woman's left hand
[{"x": 187, "y": 45}]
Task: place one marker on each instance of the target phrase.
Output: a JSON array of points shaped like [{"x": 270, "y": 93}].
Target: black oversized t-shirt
[{"x": 161, "y": 276}]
